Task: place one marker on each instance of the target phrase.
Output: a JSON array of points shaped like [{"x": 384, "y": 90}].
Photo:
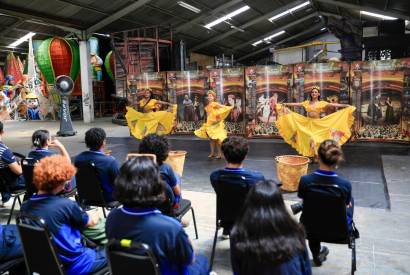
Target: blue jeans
[
  {"x": 10, "y": 245},
  {"x": 19, "y": 184}
]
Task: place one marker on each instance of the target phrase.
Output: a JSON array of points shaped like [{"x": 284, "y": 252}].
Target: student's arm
[
  {"x": 293, "y": 104},
  {"x": 57, "y": 144},
  {"x": 93, "y": 218},
  {"x": 184, "y": 248},
  {"x": 10, "y": 159},
  {"x": 338, "y": 105},
  {"x": 80, "y": 218},
  {"x": 16, "y": 168}
]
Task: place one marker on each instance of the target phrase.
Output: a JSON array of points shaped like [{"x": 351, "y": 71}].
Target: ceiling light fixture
[
  {"x": 289, "y": 11},
  {"x": 257, "y": 43},
  {"x": 381, "y": 16},
  {"x": 22, "y": 39},
  {"x": 188, "y": 6},
  {"x": 323, "y": 29},
  {"x": 228, "y": 16},
  {"x": 268, "y": 38}
]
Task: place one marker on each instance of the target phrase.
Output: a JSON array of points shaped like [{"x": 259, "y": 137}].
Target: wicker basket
[
  {"x": 176, "y": 159},
  {"x": 289, "y": 169}
]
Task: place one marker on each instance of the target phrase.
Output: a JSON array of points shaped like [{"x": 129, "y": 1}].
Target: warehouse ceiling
[{"x": 234, "y": 35}]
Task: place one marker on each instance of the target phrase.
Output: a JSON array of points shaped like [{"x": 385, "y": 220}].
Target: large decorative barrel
[
  {"x": 290, "y": 169},
  {"x": 176, "y": 159}
]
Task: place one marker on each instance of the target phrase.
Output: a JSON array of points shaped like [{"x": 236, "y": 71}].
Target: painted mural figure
[
  {"x": 374, "y": 110},
  {"x": 149, "y": 118},
  {"x": 197, "y": 110},
  {"x": 214, "y": 127},
  {"x": 389, "y": 119},
  {"x": 189, "y": 112},
  {"x": 306, "y": 133}
]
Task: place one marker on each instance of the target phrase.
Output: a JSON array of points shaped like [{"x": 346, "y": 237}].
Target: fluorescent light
[
  {"x": 266, "y": 39},
  {"x": 228, "y": 16},
  {"x": 323, "y": 29},
  {"x": 381, "y": 16},
  {"x": 22, "y": 39},
  {"x": 289, "y": 11},
  {"x": 102, "y": 34},
  {"x": 257, "y": 43},
  {"x": 188, "y": 6}
]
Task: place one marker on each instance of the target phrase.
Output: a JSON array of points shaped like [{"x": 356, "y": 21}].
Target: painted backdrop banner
[
  {"x": 140, "y": 83},
  {"x": 265, "y": 87}
]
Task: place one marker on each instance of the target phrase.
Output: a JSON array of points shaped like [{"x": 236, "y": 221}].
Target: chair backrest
[
  {"x": 38, "y": 247},
  {"x": 124, "y": 256},
  {"x": 88, "y": 185},
  {"x": 28, "y": 164},
  {"x": 324, "y": 213},
  {"x": 231, "y": 191}
]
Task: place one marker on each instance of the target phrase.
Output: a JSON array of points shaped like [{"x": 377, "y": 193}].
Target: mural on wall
[
  {"x": 332, "y": 78},
  {"x": 228, "y": 84},
  {"x": 380, "y": 92},
  {"x": 138, "y": 85},
  {"x": 187, "y": 89},
  {"x": 265, "y": 87}
]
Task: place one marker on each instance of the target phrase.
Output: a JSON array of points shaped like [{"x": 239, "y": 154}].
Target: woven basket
[
  {"x": 289, "y": 169},
  {"x": 176, "y": 159}
]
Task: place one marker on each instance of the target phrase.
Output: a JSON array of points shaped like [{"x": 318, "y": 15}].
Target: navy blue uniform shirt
[
  {"x": 107, "y": 169},
  {"x": 38, "y": 154},
  {"x": 251, "y": 177}
]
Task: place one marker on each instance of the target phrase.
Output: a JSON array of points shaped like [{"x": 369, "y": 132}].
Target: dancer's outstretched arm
[
  {"x": 338, "y": 105},
  {"x": 293, "y": 104}
]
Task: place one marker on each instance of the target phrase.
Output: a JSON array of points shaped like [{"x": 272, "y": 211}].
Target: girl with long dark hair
[{"x": 266, "y": 239}]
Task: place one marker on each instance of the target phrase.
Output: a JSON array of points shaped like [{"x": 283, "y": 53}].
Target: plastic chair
[
  {"x": 184, "y": 207},
  {"x": 124, "y": 256},
  {"x": 324, "y": 217}
]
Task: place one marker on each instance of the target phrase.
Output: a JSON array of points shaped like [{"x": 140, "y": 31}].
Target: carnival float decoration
[
  {"x": 109, "y": 65},
  {"x": 95, "y": 60}
]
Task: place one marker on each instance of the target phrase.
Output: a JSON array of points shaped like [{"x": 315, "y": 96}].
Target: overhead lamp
[
  {"x": 102, "y": 34},
  {"x": 381, "y": 16},
  {"x": 188, "y": 6},
  {"x": 228, "y": 16},
  {"x": 323, "y": 29},
  {"x": 289, "y": 11},
  {"x": 257, "y": 43},
  {"x": 22, "y": 39},
  {"x": 268, "y": 38}
]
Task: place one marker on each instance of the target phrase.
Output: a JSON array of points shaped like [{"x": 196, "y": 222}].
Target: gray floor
[{"x": 385, "y": 236}]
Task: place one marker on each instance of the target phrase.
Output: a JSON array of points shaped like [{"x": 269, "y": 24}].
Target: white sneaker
[{"x": 7, "y": 204}]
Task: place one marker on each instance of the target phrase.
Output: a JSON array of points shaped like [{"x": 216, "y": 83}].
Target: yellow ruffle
[
  {"x": 214, "y": 127},
  {"x": 142, "y": 124},
  {"x": 305, "y": 134}
]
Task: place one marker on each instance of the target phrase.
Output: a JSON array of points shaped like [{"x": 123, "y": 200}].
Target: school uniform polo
[
  {"x": 39, "y": 153},
  {"x": 107, "y": 169},
  {"x": 64, "y": 218},
  {"x": 251, "y": 177},
  {"x": 168, "y": 175},
  {"x": 164, "y": 235},
  {"x": 12, "y": 180}
]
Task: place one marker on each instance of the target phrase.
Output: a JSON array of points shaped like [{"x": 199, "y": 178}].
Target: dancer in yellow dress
[
  {"x": 214, "y": 127},
  {"x": 306, "y": 133},
  {"x": 147, "y": 119}
]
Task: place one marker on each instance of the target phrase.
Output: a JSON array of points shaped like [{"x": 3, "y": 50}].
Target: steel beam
[
  {"x": 365, "y": 7},
  {"x": 117, "y": 15},
  {"x": 309, "y": 30},
  {"x": 266, "y": 16}
]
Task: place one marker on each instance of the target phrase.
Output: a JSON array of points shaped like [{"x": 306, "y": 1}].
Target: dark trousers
[
  {"x": 19, "y": 184},
  {"x": 314, "y": 245}
]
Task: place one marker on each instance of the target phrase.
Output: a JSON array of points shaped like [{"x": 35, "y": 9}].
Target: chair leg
[
  {"x": 193, "y": 218},
  {"x": 353, "y": 244},
  {"x": 18, "y": 198},
  {"x": 105, "y": 214},
  {"x": 12, "y": 209},
  {"x": 213, "y": 249}
]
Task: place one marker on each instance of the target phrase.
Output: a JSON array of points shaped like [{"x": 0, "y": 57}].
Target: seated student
[
  {"x": 330, "y": 156},
  {"x": 63, "y": 217},
  {"x": 41, "y": 142},
  {"x": 10, "y": 170},
  {"x": 159, "y": 146},
  {"x": 107, "y": 166},
  {"x": 266, "y": 239},
  {"x": 138, "y": 187},
  {"x": 235, "y": 150}
]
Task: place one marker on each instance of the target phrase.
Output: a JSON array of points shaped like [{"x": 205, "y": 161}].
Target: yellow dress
[
  {"x": 149, "y": 122},
  {"x": 305, "y": 134},
  {"x": 214, "y": 127}
]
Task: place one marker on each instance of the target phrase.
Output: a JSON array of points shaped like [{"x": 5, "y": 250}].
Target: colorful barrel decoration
[
  {"x": 109, "y": 65},
  {"x": 57, "y": 56}
]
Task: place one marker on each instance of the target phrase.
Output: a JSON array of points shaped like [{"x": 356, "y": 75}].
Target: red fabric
[
  {"x": 13, "y": 68},
  {"x": 1, "y": 77},
  {"x": 60, "y": 55}
]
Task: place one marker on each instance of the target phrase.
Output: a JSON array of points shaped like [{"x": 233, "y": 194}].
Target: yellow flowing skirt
[
  {"x": 214, "y": 127},
  {"x": 142, "y": 124},
  {"x": 305, "y": 134}
]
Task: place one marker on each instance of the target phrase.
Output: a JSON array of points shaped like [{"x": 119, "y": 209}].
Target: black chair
[
  {"x": 324, "y": 217},
  {"x": 124, "y": 256},
  {"x": 7, "y": 266},
  {"x": 231, "y": 191},
  {"x": 27, "y": 164},
  {"x": 184, "y": 207},
  {"x": 38, "y": 247},
  {"x": 89, "y": 188}
]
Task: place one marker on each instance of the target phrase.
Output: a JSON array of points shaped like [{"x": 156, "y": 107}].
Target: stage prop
[
  {"x": 187, "y": 89},
  {"x": 229, "y": 86},
  {"x": 64, "y": 86},
  {"x": 381, "y": 94},
  {"x": 109, "y": 65},
  {"x": 265, "y": 87}
]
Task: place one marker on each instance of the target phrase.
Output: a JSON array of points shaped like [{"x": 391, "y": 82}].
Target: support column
[{"x": 86, "y": 82}]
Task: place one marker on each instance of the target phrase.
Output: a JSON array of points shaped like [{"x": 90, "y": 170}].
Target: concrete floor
[{"x": 384, "y": 246}]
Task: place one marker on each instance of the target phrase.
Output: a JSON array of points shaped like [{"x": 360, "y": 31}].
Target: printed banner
[
  {"x": 228, "y": 84},
  {"x": 265, "y": 87},
  {"x": 380, "y": 92},
  {"x": 138, "y": 85},
  {"x": 188, "y": 90}
]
